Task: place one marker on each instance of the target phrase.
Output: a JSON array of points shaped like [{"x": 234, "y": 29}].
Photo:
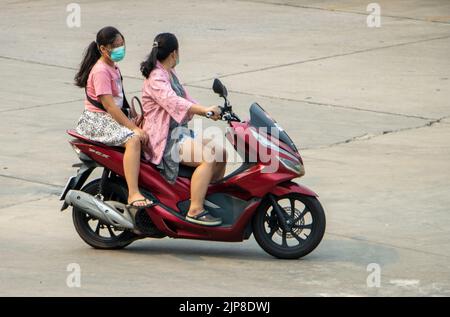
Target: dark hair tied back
[
  {"x": 105, "y": 36},
  {"x": 163, "y": 45}
]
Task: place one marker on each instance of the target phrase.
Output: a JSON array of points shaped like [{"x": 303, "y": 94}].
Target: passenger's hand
[
  {"x": 216, "y": 112},
  {"x": 141, "y": 134}
]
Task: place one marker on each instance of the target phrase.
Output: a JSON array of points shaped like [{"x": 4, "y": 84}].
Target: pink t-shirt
[{"x": 103, "y": 80}]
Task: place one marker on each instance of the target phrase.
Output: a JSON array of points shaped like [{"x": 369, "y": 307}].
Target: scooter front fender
[{"x": 291, "y": 187}]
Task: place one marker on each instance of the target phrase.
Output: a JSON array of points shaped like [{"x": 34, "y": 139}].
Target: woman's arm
[
  {"x": 161, "y": 91},
  {"x": 117, "y": 114},
  {"x": 202, "y": 111},
  {"x": 198, "y": 109}
]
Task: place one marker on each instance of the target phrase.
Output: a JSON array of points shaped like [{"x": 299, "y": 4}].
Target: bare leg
[
  {"x": 193, "y": 154},
  {"x": 219, "y": 171},
  {"x": 220, "y": 156},
  {"x": 131, "y": 164},
  {"x": 199, "y": 185}
]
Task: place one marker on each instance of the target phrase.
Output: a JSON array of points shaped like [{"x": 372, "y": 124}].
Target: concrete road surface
[{"x": 368, "y": 106}]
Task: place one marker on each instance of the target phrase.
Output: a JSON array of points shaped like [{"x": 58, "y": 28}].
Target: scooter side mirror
[{"x": 219, "y": 88}]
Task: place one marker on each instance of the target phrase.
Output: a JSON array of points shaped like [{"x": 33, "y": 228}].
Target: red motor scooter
[{"x": 259, "y": 197}]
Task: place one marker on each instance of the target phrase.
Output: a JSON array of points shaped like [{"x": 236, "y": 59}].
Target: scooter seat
[
  {"x": 81, "y": 137},
  {"x": 183, "y": 171}
]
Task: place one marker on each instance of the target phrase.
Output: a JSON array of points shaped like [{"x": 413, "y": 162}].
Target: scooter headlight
[{"x": 294, "y": 166}]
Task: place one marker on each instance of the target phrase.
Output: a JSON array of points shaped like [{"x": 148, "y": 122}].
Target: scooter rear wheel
[
  {"x": 96, "y": 233},
  {"x": 306, "y": 230}
]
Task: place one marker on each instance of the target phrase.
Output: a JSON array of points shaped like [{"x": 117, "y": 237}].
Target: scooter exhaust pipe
[{"x": 105, "y": 211}]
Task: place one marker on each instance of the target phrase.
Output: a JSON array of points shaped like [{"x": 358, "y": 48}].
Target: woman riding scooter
[
  {"x": 103, "y": 120},
  {"x": 167, "y": 109}
]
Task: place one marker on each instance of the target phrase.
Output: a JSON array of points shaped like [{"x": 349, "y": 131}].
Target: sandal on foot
[
  {"x": 136, "y": 207},
  {"x": 204, "y": 218}
]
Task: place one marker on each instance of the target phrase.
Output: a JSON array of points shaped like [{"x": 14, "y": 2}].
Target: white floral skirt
[{"x": 101, "y": 127}]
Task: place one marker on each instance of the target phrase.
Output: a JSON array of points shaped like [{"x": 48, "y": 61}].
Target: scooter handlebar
[{"x": 209, "y": 114}]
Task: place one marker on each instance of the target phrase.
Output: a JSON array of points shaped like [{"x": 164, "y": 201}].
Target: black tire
[
  {"x": 266, "y": 215},
  {"x": 117, "y": 239}
]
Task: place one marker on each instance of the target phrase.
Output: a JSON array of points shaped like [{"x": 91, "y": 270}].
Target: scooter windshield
[{"x": 261, "y": 119}]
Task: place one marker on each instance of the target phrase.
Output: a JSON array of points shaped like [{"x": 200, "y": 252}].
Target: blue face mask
[
  {"x": 177, "y": 60},
  {"x": 118, "y": 54}
]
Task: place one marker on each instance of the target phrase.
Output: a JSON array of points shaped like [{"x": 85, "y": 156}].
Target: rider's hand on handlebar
[
  {"x": 213, "y": 112},
  {"x": 141, "y": 134}
]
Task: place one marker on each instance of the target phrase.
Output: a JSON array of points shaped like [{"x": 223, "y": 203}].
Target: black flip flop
[
  {"x": 134, "y": 207},
  {"x": 204, "y": 218}
]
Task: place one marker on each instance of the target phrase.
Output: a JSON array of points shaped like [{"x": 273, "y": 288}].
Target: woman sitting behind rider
[
  {"x": 167, "y": 109},
  {"x": 101, "y": 78}
]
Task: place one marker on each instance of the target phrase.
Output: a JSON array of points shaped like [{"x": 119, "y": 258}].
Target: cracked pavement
[{"x": 368, "y": 107}]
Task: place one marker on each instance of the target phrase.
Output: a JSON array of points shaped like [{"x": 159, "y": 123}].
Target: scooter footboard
[
  {"x": 291, "y": 187},
  {"x": 174, "y": 225}
]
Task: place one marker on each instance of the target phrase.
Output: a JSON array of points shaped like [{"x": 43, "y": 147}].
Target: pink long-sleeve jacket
[{"x": 160, "y": 102}]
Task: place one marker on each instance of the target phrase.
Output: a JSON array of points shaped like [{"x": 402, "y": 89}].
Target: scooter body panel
[{"x": 235, "y": 199}]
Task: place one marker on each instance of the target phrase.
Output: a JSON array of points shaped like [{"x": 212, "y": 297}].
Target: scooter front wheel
[{"x": 306, "y": 225}]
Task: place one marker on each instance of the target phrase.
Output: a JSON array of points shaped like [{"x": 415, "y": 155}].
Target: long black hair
[
  {"x": 106, "y": 36},
  {"x": 163, "y": 45}
]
